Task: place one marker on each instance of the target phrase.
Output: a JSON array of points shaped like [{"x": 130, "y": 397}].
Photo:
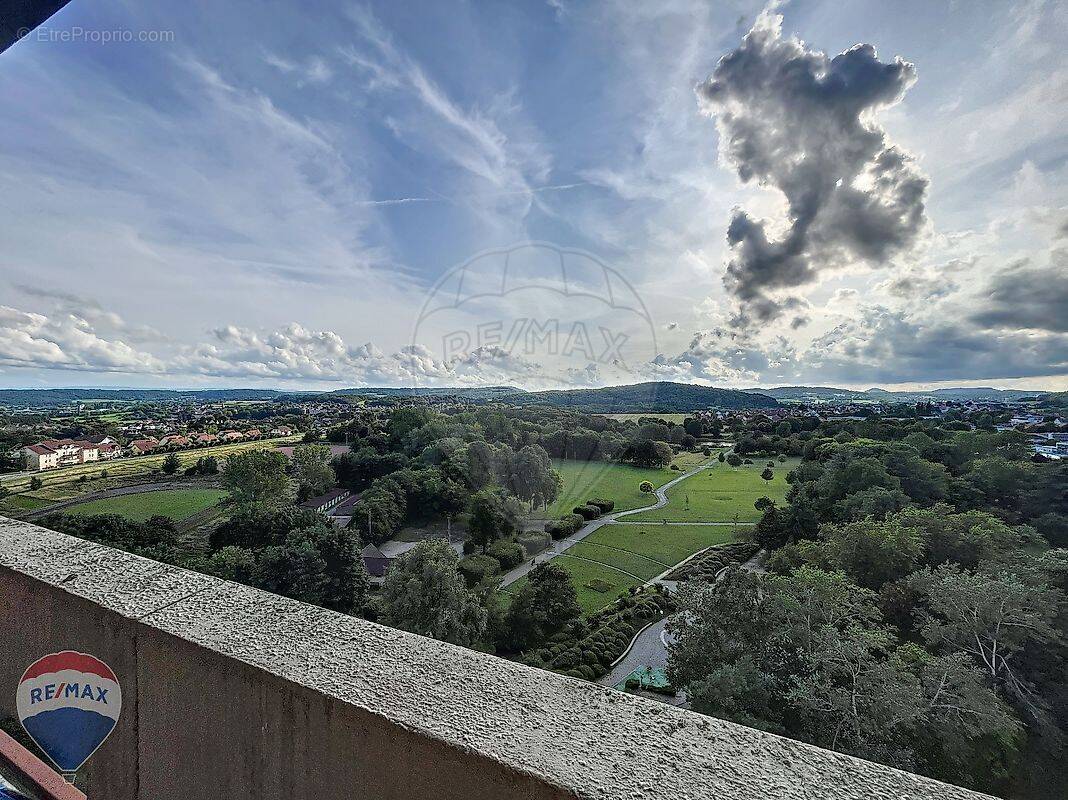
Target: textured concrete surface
[{"x": 232, "y": 692}]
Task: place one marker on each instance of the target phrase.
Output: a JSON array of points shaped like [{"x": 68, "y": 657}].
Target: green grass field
[
  {"x": 178, "y": 504},
  {"x": 609, "y": 582},
  {"x": 65, "y": 483},
  {"x": 721, "y": 494},
  {"x": 665, "y": 544},
  {"x": 21, "y": 502},
  {"x": 619, "y": 482},
  {"x": 616, "y": 557}
]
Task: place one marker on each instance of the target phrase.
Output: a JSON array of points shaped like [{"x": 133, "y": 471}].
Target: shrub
[
  {"x": 587, "y": 512},
  {"x": 675, "y": 467},
  {"x": 601, "y": 503},
  {"x": 645, "y": 487},
  {"x": 508, "y": 554},
  {"x": 476, "y": 568},
  {"x": 565, "y": 526}
]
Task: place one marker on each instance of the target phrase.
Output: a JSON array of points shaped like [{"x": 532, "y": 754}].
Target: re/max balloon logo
[{"x": 69, "y": 703}]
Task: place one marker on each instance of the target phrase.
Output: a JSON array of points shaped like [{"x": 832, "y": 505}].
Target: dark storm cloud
[
  {"x": 1029, "y": 296},
  {"x": 884, "y": 345},
  {"x": 795, "y": 120}
]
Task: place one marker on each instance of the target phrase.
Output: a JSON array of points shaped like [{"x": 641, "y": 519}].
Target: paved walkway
[
  {"x": 562, "y": 545},
  {"x": 649, "y": 650},
  {"x": 659, "y": 522}
]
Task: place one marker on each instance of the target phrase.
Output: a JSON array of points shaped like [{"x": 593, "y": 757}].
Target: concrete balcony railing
[{"x": 230, "y": 692}]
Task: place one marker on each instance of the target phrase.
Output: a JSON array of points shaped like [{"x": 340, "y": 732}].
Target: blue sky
[{"x": 268, "y": 193}]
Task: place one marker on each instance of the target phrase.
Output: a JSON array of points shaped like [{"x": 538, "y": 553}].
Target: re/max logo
[{"x": 52, "y": 691}]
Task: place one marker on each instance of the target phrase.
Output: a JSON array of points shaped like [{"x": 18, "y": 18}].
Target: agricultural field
[
  {"x": 178, "y": 504},
  {"x": 721, "y": 494},
  {"x": 70, "y": 482},
  {"x": 619, "y": 482}
]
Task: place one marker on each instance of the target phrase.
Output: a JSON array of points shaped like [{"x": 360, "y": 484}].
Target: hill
[
  {"x": 59, "y": 397},
  {"x": 809, "y": 394},
  {"x": 463, "y": 392},
  {"x": 661, "y": 396}
]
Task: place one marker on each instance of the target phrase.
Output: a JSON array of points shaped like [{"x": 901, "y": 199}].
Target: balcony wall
[{"x": 229, "y": 692}]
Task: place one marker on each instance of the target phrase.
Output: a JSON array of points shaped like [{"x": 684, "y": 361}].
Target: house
[
  {"x": 39, "y": 457},
  {"x": 205, "y": 438},
  {"x": 323, "y": 503},
  {"x": 174, "y": 440},
  {"x": 231, "y": 436},
  {"x": 53, "y": 453},
  {"x": 282, "y": 431},
  {"x": 141, "y": 446},
  {"x": 98, "y": 440},
  {"x": 253, "y": 433},
  {"x": 108, "y": 451},
  {"x": 374, "y": 561}
]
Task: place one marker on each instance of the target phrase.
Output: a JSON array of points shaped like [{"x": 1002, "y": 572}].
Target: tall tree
[
  {"x": 255, "y": 476},
  {"x": 424, "y": 593}
]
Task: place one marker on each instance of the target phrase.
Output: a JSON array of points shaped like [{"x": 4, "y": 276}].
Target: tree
[
  {"x": 534, "y": 475},
  {"x": 424, "y": 593},
  {"x": 171, "y": 464},
  {"x": 992, "y": 617},
  {"x": 493, "y": 515},
  {"x": 35, "y": 483},
  {"x": 808, "y": 655},
  {"x": 645, "y": 487},
  {"x": 543, "y": 606},
  {"x": 734, "y": 460},
  {"x": 320, "y": 564},
  {"x": 721, "y": 457},
  {"x": 647, "y": 453},
  {"x": 255, "y": 476},
  {"x": 312, "y": 470},
  {"x": 768, "y": 474}
]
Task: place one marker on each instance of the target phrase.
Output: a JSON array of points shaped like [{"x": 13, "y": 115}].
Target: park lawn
[
  {"x": 637, "y": 565},
  {"x": 721, "y": 494},
  {"x": 178, "y": 504},
  {"x": 667, "y": 544},
  {"x": 687, "y": 460},
  {"x": 596, "y": 585},
  {"x": 587, "y": 479}
]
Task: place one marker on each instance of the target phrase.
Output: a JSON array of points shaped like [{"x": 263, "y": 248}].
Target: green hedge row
[{"x": 587, "y": 650}]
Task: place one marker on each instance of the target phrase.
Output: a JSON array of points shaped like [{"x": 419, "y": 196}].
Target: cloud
[
  {"x": 313, "y": 70},
  {"x": 65, "y": 341},
  {"x": 1028, "y": 296},
  {"x": 474, "y": 139},
  {"x": 794, "y": 120},
  {"x": 296, "y": 354}
]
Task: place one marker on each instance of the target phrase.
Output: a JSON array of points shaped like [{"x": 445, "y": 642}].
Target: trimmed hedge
[
  {"x": 509, "y": 554},
  {"x": 476, "y": 568},
  {"x": 587, "y": 512},
  {"x": 601, "y": 503},
  {"x": 705, "y": 566},
  {"x": 565, "y": 526},
  {"x": 591, "y": 648}
]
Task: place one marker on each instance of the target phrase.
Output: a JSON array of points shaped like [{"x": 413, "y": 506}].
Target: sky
[{"x": 540, "y": 194}]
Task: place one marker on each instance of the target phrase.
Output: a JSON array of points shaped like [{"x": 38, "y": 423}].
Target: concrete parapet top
[{"x": 585, "y": 739}]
